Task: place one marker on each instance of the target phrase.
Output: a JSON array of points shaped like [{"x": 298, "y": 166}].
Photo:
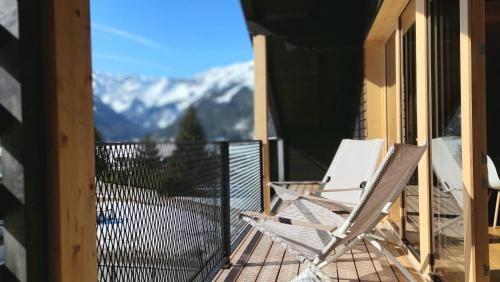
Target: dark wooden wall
[{"x": 22, "y": 189}]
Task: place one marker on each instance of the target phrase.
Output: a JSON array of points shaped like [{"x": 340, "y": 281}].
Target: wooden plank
[
  {"x": 289, "y": 268},
  {"x": 244, "y": 258},
  {"x": 332, "y": 271},
  {"x": 236, "y": 255},
  {"x": 364, "y": 264},
  {"x": 252, "y": 268},
  {"x": 383, "y": 268},
  {"x": 71, "y": 195},
  {"x": 346, "y": 268},
  {"x": 272, "y": 264},
  {"x": 473, "y": 107},
  {"x": 394, "y": 246},
  {"x": 423, "y": 129},
  {"x": 386, "y": 19},
  {"x": 494, "y": 247},
  {"x": 261, "y": 121}
]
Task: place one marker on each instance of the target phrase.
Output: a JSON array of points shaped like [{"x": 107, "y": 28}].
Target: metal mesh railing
[
  {"x": 163, "y": 210},
  {"x": 245, "y": 175}
]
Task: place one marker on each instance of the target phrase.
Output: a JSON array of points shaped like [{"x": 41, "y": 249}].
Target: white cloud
[{"x": 126, "y": 35}]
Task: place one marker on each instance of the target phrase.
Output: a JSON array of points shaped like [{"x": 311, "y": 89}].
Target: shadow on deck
[{"x": 257, "y": 258}]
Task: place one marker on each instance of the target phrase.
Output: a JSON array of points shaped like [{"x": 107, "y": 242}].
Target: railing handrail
[{"x": 142, "y": 142}]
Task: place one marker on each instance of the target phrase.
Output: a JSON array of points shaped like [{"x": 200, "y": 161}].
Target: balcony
[
  {"x": 170, "y": 212},
  {"x": 396, "y": 70}
]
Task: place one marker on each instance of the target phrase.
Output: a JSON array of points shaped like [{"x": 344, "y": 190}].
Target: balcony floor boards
[{"x": 257, "y": 258}]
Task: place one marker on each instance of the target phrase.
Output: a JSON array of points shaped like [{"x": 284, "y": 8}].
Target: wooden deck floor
[{"x": 259, "y": 259}]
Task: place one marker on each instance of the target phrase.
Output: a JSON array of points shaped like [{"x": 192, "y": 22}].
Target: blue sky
[{"x": 166, "y": 37}]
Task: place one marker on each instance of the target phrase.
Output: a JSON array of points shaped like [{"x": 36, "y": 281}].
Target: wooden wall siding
[
  {"x": 423, "y": 132},
  {"x": 472, "y": 70},
  {"x": 12, "y": 188},
  {"x": 261, "y": 121},
  {"x": 23, "y": 188}
]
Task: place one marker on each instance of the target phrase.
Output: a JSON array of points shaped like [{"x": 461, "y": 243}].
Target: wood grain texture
[
  {"x": 423, "y": 133},
  {"x": 386, "y": 20},
  {"x": 261, "y": 110},
  {"x": 72, "y": 221},
  {"x": 473, "y": 101},
  {"x": 268, "y": 261}
]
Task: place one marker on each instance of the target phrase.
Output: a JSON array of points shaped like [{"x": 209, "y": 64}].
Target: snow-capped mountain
[{"x": 153, "y": 105}]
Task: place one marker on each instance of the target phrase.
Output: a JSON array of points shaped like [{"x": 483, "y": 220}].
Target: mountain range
[{"x": 127, "y": 107}]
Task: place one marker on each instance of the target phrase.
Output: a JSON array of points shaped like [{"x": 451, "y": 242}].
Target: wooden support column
[
  {"x": 423, "y": 132},
  {"x": 70, "y": 168},
  {"x": 473, "y": 97},
  {"x": 261, "y": 121}
]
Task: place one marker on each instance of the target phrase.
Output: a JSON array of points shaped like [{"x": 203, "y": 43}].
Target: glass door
[
  {"x": 446, "y": 144},
  {"x": 410, "y": 198}
]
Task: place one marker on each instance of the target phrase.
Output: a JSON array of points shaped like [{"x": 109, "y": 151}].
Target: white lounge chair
[
  {"x": 447, "y": 164},
  {"x": 318, "y": 236},
  {"x": 353, "y": 164},
  {"x": 494, "y": 184}
]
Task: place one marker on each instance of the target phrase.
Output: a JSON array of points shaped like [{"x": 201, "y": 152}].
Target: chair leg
[
  {"x": 308, "y": 276},
  {"x": 385, "y": 252},
  {"x": 495, "y": 218}
]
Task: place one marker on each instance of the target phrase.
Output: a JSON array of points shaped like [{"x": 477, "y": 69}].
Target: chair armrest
[
  {"x": 295, "y": 182},
  {"x": 289, "y": 221},
  {"x": 337, "y": 190}
]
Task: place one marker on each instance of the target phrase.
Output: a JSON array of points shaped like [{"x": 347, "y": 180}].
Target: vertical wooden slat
[
  {"x": 261, "y": 120},
  {"x": 399, "y": 123},
  {"x": 399, "y": 129},
  {"x": 72, "y": 220},
  {"x": 423, "y": 131},
  {"x": 472, "y": 77}
]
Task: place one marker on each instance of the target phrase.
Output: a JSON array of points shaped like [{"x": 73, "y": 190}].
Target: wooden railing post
[
  {"x": 70, "y": 144},
  {"x": 261, "y": 120}
]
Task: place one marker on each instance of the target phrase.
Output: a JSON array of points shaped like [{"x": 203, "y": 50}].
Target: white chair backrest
[
  {"x": 354, "y": 162},
  {"x": 447, "y": 164},
  {"x": 493, "y": 180},
  {"x": 383, "y": 189}
]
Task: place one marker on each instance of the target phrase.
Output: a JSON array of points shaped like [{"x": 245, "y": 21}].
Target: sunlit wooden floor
[
  {"x": 259, "y": 259},
  {"x": 495, "y": 253}
]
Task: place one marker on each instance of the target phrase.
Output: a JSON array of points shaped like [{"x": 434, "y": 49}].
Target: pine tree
[
  {"x": 148, "y": 151},
  {"x": 97, "y": 136},
  {"x": 101, "y": 155},
  {"x": 190, "y": 129}
]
